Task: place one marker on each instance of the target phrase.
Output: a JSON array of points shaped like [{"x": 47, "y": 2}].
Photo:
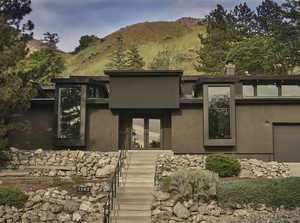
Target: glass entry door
[{"x": 146, "y": 133}]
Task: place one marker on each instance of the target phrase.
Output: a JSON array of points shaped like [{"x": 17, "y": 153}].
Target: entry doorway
[{"x": 146, "y": 133}]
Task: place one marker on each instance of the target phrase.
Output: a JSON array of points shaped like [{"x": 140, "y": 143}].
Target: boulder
[{"x": 181, "y": 211}]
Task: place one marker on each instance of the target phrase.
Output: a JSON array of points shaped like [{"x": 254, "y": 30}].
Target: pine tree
[
  {"x": 118, "y": 58},
  {"x": 134, "y": 61},
  {"x": 162, "y": 61}
]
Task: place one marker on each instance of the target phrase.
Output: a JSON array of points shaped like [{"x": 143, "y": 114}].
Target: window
[
  {"x": 267, "y": 90},
  {"x": 219, "y": 115},
  {"x": 248, "y": 90},
  {"x": 71, "y": 115},
  {"x": 290, "y": 90}
]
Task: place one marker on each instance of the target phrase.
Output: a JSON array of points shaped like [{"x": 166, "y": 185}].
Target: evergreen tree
[
  {"x": 85, "y": 41},
  {"x": 133, "y": 60},
  {"x": 118, "y": 58},
  {"x": 51, "y": 39}
]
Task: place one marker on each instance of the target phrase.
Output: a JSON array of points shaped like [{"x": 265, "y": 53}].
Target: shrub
[
  {"x": 192, "y": 183},
  {"x": 77, "y": 179},
  {"x": 223, "y": 165},
  {"x": 271, "y": 192},
  {"x": 12, "y": 197}
]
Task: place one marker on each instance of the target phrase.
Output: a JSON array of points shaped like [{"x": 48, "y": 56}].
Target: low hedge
[
  {"x": 223, "y": 165},
  {"x": 271, "y": 192},
  {"x": 12, "y": 197}
]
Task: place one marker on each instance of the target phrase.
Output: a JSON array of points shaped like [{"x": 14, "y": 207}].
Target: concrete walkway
[
  {"x": 295, "y": 169},
  {"x": 135, "y": 194}
]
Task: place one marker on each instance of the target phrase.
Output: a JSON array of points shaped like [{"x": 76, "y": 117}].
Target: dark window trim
[
  {"x": 219, "y": 142},
  {"x": 81, "y": 142}
]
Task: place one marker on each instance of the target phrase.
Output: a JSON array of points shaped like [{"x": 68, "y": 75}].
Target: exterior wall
[
  {"x": 254, "y": 130},
  {"x": 41, "y": 132},
  {"x": 255, "y": 126},
  {"x": 187, "y": 130},
  {"x": 102, "y": 129}
]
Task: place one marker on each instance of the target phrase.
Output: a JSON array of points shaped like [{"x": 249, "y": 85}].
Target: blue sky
[{"x": 73, "y": 18}]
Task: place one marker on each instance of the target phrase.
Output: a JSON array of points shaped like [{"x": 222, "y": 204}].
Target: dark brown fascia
[{"x": 114, "y": 73}]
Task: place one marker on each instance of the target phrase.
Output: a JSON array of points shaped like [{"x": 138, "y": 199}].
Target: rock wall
[
  {"x": 54, "y": 205},
  {"x": 251, "y": 168},
  {"x": 63, "y": 163}
]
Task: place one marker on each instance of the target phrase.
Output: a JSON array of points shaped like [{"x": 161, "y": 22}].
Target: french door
[{"x": 146, "y": 133}]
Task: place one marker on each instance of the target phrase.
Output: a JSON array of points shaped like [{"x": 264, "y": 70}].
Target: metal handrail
[{"x": 115, "y": 183}]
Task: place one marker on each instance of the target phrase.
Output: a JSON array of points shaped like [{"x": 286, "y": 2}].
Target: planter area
[
  {"x": 263, "y": 192},
  {"x": 51, "y": 180}
]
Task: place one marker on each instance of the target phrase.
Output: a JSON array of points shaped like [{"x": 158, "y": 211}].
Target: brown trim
[{"x": 268, "y": 100}]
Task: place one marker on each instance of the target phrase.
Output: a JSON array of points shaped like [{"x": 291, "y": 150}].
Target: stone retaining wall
[
  {"x": 251, "y": 168},
  {"x": 63, "y": 163}
]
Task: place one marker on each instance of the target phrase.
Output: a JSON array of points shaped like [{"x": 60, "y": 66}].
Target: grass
[
  {"x": 271, "y": 192},
  {"x": 12, "y": 197},
  {"x": 149, "y": 37}
]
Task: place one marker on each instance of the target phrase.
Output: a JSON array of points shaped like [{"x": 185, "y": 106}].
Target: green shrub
[
  {"x": 77, "y": 179},
  {"x": 223, "y": 165},
  {"x": 12, "y": 197},
  {"x": 271, "y": 192},
  {"x": 192, "y": 183}
]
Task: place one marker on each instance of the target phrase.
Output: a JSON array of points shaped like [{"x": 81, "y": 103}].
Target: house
[{"x": 248, "y": 116}]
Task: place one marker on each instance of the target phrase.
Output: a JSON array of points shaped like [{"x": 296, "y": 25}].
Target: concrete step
[
  {"x": 136, "y": 189},
  {"x": 140, "y": 175},
  {"x": 143, "y": 171},
  {"x": 139, "y": 166},
  {"x": 13, "y": 173},
  {"x": 140, "y": 184},
  {"x": 133, "y": 220},
  {"x": 135, "y": 180},
  {"x": 134, "y": 213},
  {"x": 134, "y": 206}
]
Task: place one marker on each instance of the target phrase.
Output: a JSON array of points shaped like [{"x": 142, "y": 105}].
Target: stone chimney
[{"x": 230, "y": 68}]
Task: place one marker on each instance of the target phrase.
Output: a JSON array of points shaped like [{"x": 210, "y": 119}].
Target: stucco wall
[
  {"x": 41, "y": 129},
  {"x": 102, "y": 129}
]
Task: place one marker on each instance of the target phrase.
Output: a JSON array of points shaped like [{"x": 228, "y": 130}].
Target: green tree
[
  {"x": 118, "y": 57},
  {"x": 51, "y": 40},
  {"x": 261, "y": 55},
  {"x": 41, "y": 66},
  {"x": 85, "y": 41},
  {"x": 134, "y": 61},
  {"x": 162, "y": 61}
]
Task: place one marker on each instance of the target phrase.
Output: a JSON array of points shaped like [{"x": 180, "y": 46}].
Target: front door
[{"x": 146, "y": 133}]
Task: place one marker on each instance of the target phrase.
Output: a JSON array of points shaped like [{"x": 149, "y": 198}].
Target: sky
[{"x": 72, "y": 19}]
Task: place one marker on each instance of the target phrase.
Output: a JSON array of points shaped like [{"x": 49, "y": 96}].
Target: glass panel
[
  {"x": 219, "y": 112},
  {"x": 154, "y": 133},
  {"x": 290, "y": 90},
  {"x": 93, "y": 92},
  {"x": 248, "y": 90},
  {"x": 137, "y": 138},
  {"x": 267, "y": 90},
  {"x": 69, "y": 113}
]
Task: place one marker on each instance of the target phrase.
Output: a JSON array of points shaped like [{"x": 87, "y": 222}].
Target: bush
[
  {"x": 12, "y": 197},
  {"x": 223, "y": 165},
  {"x": 271, "y": 192},
  {"x": 77, "y": 179},
  {"x": 192, "y": 183}
]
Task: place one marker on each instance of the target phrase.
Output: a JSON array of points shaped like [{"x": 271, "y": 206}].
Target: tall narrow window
[
  {"x": 71, "y": 115},
  {"x": 219, "y": 115}
]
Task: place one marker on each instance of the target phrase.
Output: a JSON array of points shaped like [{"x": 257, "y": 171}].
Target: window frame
[
  {"x": 78, "y": 142},
  {"x": 219, "y": 142}
]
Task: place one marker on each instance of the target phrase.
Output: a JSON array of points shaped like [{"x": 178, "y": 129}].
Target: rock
[
  {"x": 38, "y": 151},
  {"x": 104, "y": 171},
  {"x": 46, "y": 216},
  {"x": 86, "y": 206},
  {"x": 45, "y": 207},
  {"x": 161, "y": 196},
  {"x": 36, "y": 199},
  {"x": 71, "y": 206},
  {"x": 13, "y": 149},
  {"x": 181, "y": 211},
  {"x": 241, "y": 212},
  {"x": 84, "y": 171},
  {"x": 76, "y": 216},
  {"x": 63, "y": 217}
]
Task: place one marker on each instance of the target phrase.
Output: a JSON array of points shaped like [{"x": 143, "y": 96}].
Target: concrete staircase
[{"x": 135, "y": 194}]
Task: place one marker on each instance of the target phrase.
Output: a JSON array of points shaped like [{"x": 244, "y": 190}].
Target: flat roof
[{"x": 143, "y": 72}]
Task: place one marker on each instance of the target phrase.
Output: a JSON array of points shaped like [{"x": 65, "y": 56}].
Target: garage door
[{"x": 287, "y": 143}]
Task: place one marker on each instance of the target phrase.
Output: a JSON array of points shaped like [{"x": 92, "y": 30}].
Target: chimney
[{"x": 230, "y": 68}]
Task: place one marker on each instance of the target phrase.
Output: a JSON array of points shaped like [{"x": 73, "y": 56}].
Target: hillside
[{"x": 180, "y": 37}]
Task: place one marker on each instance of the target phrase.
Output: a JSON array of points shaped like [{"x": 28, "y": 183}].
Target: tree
[
  {"x": 118, "y": 57},
  {"x": 41, "y": 66},
  {"x": 51, "y": 39},
  {"x": 15, "y": 94},
  {"x": 261, "y": 55},
  {"x": 85, "y": 41},
  {"x": 162, "y": 61},
  {"x": 133, "y": 60}
]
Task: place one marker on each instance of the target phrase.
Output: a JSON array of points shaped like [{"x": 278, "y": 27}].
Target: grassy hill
[{"x": 180, "y": 37}]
